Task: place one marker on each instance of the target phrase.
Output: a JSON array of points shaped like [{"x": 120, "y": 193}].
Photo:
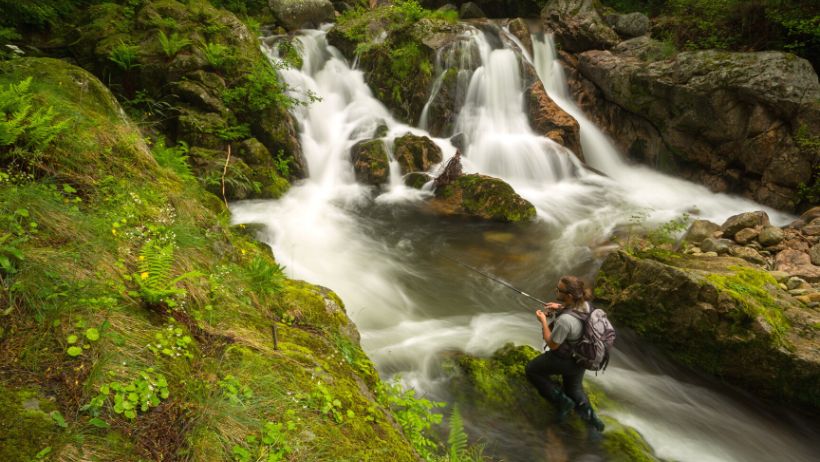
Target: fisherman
[{"x": 564, "y": 332}]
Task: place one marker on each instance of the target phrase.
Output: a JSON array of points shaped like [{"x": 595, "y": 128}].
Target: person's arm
[{"x": 545, "y": 328}]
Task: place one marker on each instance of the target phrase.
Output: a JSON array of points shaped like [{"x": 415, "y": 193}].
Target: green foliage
[
  {"x": 172, "y": 342},
  {"x": 39, "y": 14},
  {"x": 457, "y": 439},
  {"x": 174, "y": 158},
  {"x": 27, "y": 127},
  {"x": 125, "y": 56},
  {"x": 323, "y": 400},
  {"x": 271, "y": 445},
  {"x": 806, "y": 141},
  {"x": 216, "y": 54},
  {"x": 261, "y": 89},
  {"x": 129, "y": 398},
  {"x": 243, "y": 7},
  {"x": 155, "y": 281},
  {"x": 413, "y": 414},
  {"x": 264, "y": 276},
  {"x": 749, "y": 287},
  {"x": 234, "y": 390},
  {"x": 173, "y": 44}
]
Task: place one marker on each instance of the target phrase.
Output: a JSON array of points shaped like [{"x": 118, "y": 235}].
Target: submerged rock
[
  {"x": 416, "y": 153},
  {"x": 484, "y": 197},
  {"x": 370, "y": 162},
  {"x": 719, "y": 315}
]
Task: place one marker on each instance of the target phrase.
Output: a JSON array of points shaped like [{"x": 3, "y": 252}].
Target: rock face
[
  {"x": 735, "y": 122},
  {"x": 758, "y": 338},
  {"x": 548, "y": 119},
  {"x": 578, "y": 26},
  {"x": 300, "y": 14},
  {"x": 370, "y": 162},
  {"x": 416, "y": 153},
  {"x": 483, "y": 197}
]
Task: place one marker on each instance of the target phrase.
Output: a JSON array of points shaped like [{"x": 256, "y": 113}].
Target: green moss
[
  {"x": 625, "y": 444},
  {"x": 752, "y": 288},
  {"x": 28, "y": 427}
]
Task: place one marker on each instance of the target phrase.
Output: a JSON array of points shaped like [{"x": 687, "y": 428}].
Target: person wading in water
[{"x": 565, "y": 331}]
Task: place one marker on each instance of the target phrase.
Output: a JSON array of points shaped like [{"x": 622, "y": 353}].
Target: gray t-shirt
[{"x": 567, "y": 328}]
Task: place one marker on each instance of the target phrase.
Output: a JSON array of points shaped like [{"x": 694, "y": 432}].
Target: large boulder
[
  {"x": 748, "y": 331},
  {"x": 700, "y": 230},
  {"x": 797, "y": 263},
  {"x": 736, "y": 122},
  {"x": 370, "y": 163},
  {"x": 548, "y": 119},
  {"x": 630, "y": 25},
  {"x": 416, "y": 153},
  {"x": 745, "y": 220},
  {"x": 578, "y": 26},
  {"x": 494, "y": 393},
  {"x": 484, "y": 197},
  {"x": 300, "y": 14}
]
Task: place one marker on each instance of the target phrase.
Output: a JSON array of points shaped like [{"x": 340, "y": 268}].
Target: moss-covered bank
[
  {"x": 136, "y": 324},
  {"x": 720, "y": 315}
]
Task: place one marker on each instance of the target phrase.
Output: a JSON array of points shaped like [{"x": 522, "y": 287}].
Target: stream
[{"x": 390, "y": 259}]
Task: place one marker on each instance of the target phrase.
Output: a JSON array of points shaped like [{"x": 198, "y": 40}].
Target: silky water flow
[{"x": 390, "y": 261}]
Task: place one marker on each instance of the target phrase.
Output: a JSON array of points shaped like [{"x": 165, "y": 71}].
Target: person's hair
[{"x": 576, "y": 289}]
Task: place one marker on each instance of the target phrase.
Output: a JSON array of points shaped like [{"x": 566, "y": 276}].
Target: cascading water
[{"x": 388, "y": 261}]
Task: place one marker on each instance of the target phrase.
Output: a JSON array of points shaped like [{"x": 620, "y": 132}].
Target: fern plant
[
  {"x": 264, "y": 276},
  {"x": 124, "y": 56},
  {"x": 457, "y": 439},
  {"x": 173, "y": 44},
  {"x": 26, "y": 128},
  {"x": 156, "y": 283},
  {"x": 216, "y": 54},
  {"x": 174, "y": 158}
]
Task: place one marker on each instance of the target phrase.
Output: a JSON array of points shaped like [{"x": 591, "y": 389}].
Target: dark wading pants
[{"x": 550, "y": 363}]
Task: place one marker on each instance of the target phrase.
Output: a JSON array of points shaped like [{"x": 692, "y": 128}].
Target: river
[{"x": 390, "y": 259}]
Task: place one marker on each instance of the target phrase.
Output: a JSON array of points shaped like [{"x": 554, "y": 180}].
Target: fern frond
[
  {"x": 457, "y": 439},
  {"x": 155, "y": 265}
]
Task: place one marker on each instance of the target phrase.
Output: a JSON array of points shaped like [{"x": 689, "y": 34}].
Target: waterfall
[{"x": 388, "y": 262}]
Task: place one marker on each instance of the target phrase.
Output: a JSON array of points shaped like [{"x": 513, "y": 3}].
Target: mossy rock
[
  {"x": 370, "y": 162},
  {"x": 483, "y": 197},
  {"x": 496, "y": 388},
  {"x": 27, "y": 425},
  {"x": 416, "y": 180},
  {"x": 416, "y": 153},
  {"x": 750, "y": 332}
]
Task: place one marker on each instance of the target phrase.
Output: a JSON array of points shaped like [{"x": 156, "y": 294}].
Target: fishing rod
[{"x": 490, "y": 276}]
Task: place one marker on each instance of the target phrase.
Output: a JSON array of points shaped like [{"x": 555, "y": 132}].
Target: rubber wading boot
[
  {"x": 563, "y": 404},
  {"x": 586, "y": 414}
]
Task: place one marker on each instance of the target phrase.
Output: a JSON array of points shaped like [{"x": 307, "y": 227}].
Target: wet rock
[
  {"x": 770, "y": 235},
  {"x": 745, "y": 235},
  {"x": 548, "y": 119},
  {"x": 484, "y": 197},
  {"x": 700, "y": 230},
  {"x": 470, "y": 10},
  {"x": 518, "y": 27},
  {"x": 631, "y": 25},
  {"x": 775, "y": 354},
  {"x": 416, "y": 153},
  {"x": 300, "y": 14},
  {"x": 370, "y": 162},
  {"x": 657, "y": 113},
  {"x": 416, "y": 179},
  {"x": 748, "y": 254},
  {"x": 719, "y": 246},
  {"x": 744, "y": 220},
  {"x": 797, "y": 283},
  {"x": 813, "y": 228},
  {"x": 814, "y": 254},
  {"x": 578, "y": 26},
  {"x": 797, "y": 263}
]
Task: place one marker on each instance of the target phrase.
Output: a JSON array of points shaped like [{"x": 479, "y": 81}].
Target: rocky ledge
[{"x": 741, "y": 305}]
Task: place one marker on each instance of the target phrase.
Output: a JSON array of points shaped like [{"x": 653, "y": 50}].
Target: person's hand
[
  {"x": 552, "y": 306},
  {"x": 540, "y": 315}
]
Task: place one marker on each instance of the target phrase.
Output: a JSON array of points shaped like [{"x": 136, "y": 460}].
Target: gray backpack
[{"x": 592, "y": 350}]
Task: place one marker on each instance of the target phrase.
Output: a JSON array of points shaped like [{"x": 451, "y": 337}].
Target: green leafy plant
[
  {"x": 265, "y": 276},
  {"x": 172, "y": 342},
  {"x": 458, "y": 448},
  {"x": 129, "y": 398},
  {"x": 327, "y": 404},
  {"x": 82, "y": 340},
  {"x": 261, "y": 89},
  {"x": 173, "y": 44},
  {"x": 270, "y": 445},
  {"x": 234, "y": 390},
  {"x": 27, "y": 127},
  {"x": 155, "y": 281},
  {"x": 125, "y": 56},
  {"x": 216, "y": 54},
  {"x": 414, "y": 415},
  {"x": 174, "y": 158}
]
